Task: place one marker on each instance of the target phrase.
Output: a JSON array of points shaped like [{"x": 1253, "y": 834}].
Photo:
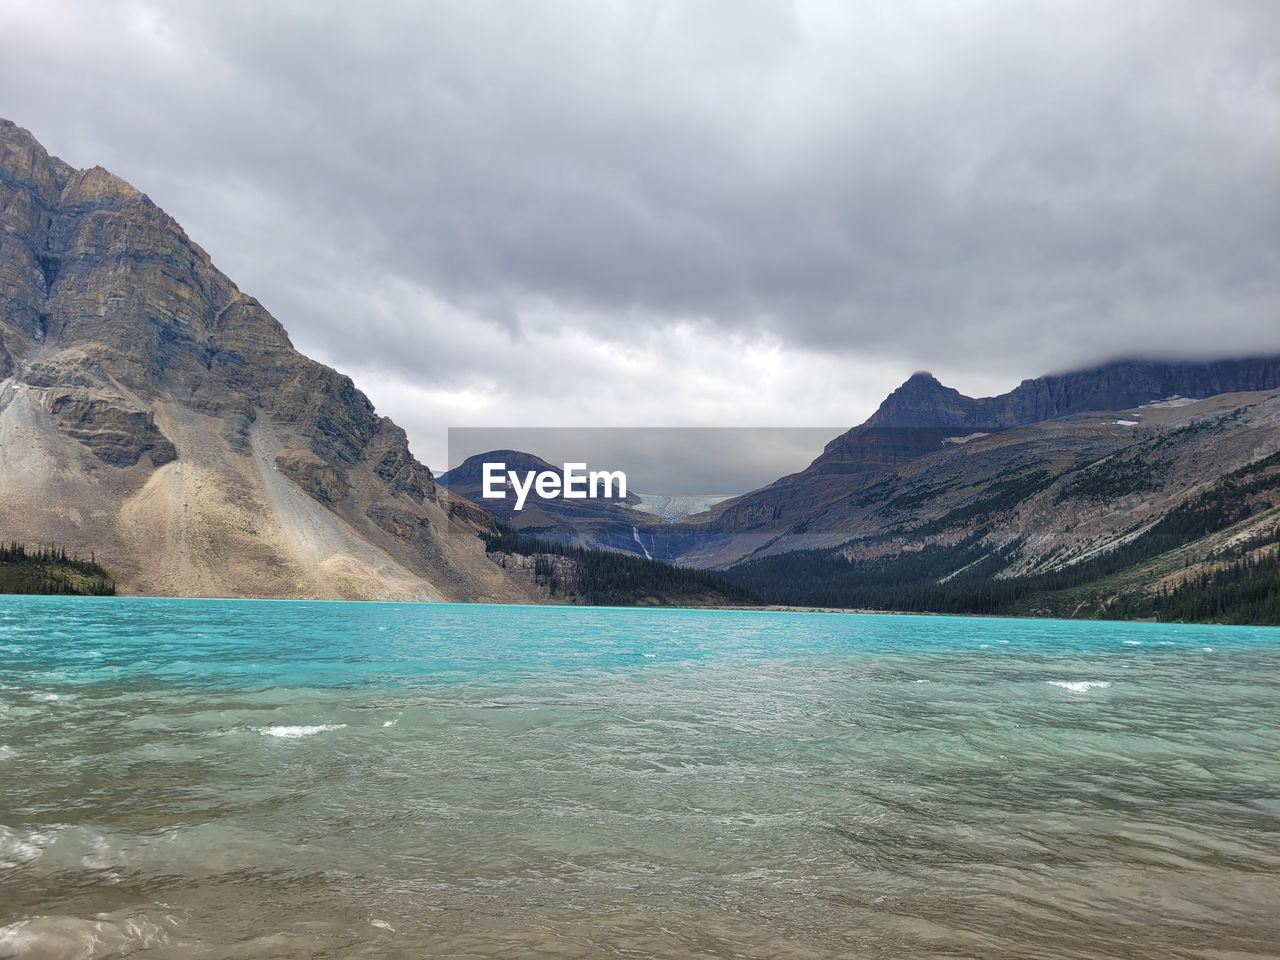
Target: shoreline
[{"x": 711, "y": 608}]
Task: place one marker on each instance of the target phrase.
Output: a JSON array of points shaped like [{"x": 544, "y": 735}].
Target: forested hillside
[
  {"x": 1212, "y": 558},
  {"x": 51, "y": 570},
  {"x": 608, "y": 578}
]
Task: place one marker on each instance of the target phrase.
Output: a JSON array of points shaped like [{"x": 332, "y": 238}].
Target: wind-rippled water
[{"x": 231, "y": 779}]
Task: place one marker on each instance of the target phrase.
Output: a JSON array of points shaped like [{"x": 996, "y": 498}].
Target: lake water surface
[{"x": 241, "y": 779}]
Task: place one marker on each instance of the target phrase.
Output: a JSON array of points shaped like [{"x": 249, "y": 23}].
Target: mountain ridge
[
  {"x": 922, "y": 416},
  {"x": 922, "y": 401}
]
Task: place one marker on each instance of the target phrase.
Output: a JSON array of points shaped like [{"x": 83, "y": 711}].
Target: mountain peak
[
  {"x": 96, "y": 184},
  {"x": 924, "y": 402},
  {"x": 23, "y": 159},
  {"x": 921, "y": 401},
  {"x": 471, "y": 470}
]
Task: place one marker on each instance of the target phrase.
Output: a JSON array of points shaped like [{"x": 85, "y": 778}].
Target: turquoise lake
[{"x": 252, "y": 779}]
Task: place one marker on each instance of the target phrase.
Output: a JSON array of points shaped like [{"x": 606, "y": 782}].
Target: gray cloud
[{"x": 463, "y": 197}]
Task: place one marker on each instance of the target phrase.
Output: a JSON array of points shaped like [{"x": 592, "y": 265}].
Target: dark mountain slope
[{"x": 1166, "y": 512}]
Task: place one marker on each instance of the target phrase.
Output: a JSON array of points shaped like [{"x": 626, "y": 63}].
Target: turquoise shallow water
[{"x": 218, "y": 779}]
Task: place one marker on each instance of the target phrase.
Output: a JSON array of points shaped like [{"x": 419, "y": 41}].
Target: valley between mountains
[
  {"x": 157, "y": 419},
  {"x": 1132, "y": 497}
]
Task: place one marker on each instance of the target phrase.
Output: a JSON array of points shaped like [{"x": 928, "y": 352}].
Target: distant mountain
[
  {"x": 1166, "y": 504},
  {"x": 924, "y": 417},
  {"x": 1158, "y": 511},
  {"x": 153, "y": 414},
  {"x": 608, "y": 524},
  {"x": 1069, "y": 494},
  {"x": 1131, "y": 489},
  {"x": 924, "y": 402},
  {"x": 1135, "y": 489}
]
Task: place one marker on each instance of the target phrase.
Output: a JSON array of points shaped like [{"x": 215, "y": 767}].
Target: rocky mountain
[
  {"x": 1092, "y": 492},
  {"x": 1136, "y": 489},
  {"x": 1167, "y": 508},
  {"x": 152, "y": 413},
  {"x": 610, "y": 524},
  {"x": 157, "y": 418},
  {"x": 925, "y": 419},
  {"x": 1170, "y": 510}
]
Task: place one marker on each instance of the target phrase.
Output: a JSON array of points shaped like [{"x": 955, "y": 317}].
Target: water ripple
[{"x": 225, "y": 779}]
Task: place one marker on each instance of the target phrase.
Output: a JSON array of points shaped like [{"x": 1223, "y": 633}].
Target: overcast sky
[{"x": 691, "y": 212}]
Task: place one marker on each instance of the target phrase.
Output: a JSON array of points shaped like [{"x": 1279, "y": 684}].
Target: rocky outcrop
[
  {"x": 396, "y": 467},
  {"x": 153, "y": 413},
  {"x": 316, "y": 477},
  {"x": 116, "y": 435},
  {"x": 401, "y": 525}
]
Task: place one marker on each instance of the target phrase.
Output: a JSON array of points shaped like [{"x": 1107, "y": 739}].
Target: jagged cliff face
[{"x": 154, "y": 414}]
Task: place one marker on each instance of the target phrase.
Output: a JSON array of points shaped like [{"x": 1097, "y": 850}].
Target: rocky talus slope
[{"x": 152, "y": 413}]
